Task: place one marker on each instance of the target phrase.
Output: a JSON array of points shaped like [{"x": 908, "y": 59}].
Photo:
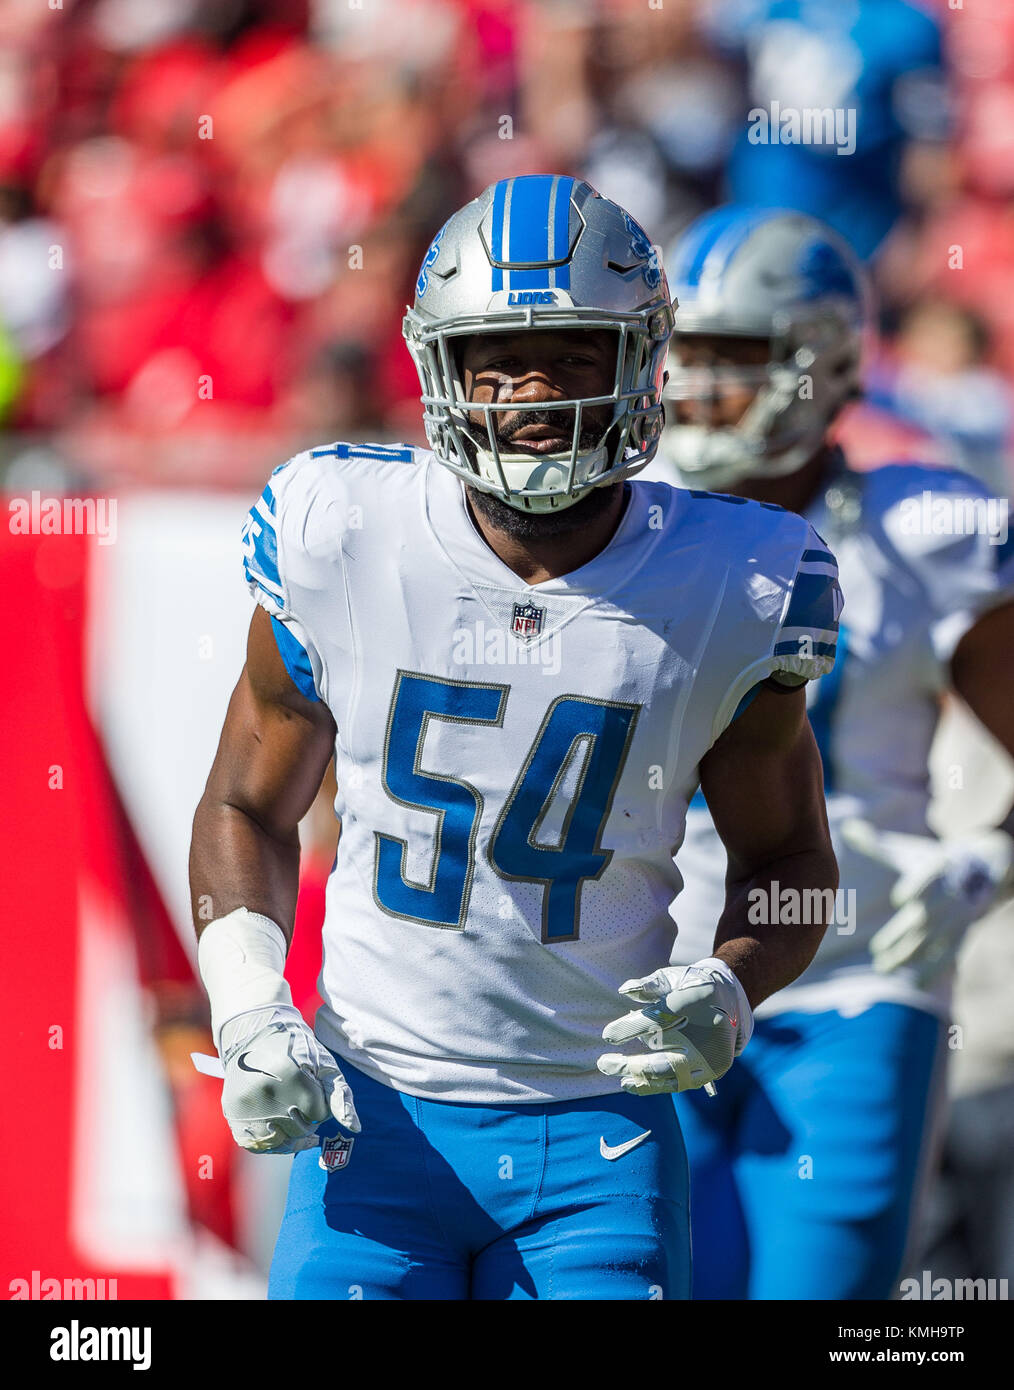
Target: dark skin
[
  {"x": 764, "y": 786},
  {"x": 982, "y": 667},
  {"x": 982, "y": 673},
  {"x": 272, "y": 756},
  {"x": 543, "y": 368},
  {"x": 762, "y": 777}
]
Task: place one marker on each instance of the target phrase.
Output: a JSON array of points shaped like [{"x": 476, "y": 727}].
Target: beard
[
  {"x": 533, "y": 526},
  {"x": 536, "y": 526}
]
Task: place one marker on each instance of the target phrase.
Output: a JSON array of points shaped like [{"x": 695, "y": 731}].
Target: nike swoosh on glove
[
  {"x": 943, "y": 886},
  {"x": 697, "y": 1020},
  {"x": 280, "y": 1082}
]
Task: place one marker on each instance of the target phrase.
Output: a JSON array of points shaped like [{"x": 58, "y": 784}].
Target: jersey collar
[{"x": 451, "y": 524}]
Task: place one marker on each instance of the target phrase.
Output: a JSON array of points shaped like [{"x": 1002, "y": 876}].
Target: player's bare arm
[
  {"x": 280, "y": 1083},
  {"x": 272, "y": 755},
  {"x": 945, "y": 885},
  {"x": 982, "y": 670},
  {"x": 763, "y": 784}
]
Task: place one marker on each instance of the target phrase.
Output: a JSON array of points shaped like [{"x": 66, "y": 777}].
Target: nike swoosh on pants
[{"x": 618, "y": 1150}]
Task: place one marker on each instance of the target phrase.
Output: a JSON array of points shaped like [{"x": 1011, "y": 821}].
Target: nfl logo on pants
[
  {"x": 334, "y": 1153},
  {"x": 527, "y": 620}
]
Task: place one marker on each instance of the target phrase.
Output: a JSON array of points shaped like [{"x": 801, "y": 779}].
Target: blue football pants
[
  {"x": 805, "y": 1167},
  {"x": 450, "y": 1201}
]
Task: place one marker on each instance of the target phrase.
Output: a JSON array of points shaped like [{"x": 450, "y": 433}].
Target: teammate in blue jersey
[
  {"x": 524, "y": 663},
  {"x": 805, "y": 1167}
]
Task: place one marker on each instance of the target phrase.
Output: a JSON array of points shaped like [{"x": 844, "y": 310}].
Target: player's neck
[
  {"x": 535, "y": 559},
  {"x": 794, "y": 491}
]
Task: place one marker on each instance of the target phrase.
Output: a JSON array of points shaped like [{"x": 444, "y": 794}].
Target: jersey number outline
[{"x": 591, "y": 736}]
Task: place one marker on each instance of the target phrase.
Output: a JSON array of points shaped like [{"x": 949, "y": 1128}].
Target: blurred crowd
[{"x": 212, "y": 211}]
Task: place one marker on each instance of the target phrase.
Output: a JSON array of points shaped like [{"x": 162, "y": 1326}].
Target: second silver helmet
[{"x": 748, "y": 272}]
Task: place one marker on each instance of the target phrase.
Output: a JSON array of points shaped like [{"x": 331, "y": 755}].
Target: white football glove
[
  {"x": 280, "y": 1083},
  {"x": 697, "y": 1021},
  {"x": 943, "y": 886}
]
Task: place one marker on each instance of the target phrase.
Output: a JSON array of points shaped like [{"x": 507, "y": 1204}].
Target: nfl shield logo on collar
[
  {"x": 334, "y": 1153},
  {"x": 527, "y": 622}
]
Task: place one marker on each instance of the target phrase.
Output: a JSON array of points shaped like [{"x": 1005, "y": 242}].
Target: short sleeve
[
  {"x": 264, "y": 571},
  {"x": 992, "y": 567},
  {"x": 790, "y": 592},
  {"x": 806, "y": 642},
  {"x": 954, "y": 537}
]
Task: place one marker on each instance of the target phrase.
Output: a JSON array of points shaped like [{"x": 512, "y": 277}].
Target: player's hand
[
  {"x": 280, "y": 1082},
  {"x": 696, "y": 1020},
  {"x": 943, "y": 886}
]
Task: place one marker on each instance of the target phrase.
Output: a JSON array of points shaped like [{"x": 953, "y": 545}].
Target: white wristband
[
  {"x": 241, "y": 959},
  {"x": 726, "y": 971}
]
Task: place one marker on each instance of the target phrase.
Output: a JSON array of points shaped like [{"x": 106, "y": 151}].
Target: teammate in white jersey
[
  {"x": 524, "y": 664},
  {"x": 805, "y": 1167}
]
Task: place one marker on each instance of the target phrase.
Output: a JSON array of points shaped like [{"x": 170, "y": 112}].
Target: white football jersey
[
  {"x": 514, "y": 761},
  {"x": 913, "y": 584}
]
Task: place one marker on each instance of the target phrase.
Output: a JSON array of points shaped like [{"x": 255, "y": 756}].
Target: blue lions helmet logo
[
  {"x": 822, "y": 271},
  {"x": 422, "y": 284},
  {"x": 644, "y": 251}
]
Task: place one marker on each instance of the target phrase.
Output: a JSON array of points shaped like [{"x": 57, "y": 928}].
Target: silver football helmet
[
  {"x": 764, "y": 273},
  {"x": 541, "y": 252}
]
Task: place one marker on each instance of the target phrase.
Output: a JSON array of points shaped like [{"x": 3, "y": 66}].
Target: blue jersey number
[
  {"x": 589, "y": 740},
  {"x": 443, "y": 902},
  {"x": 577, "y": 756}
]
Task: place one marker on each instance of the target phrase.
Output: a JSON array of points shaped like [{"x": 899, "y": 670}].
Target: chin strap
[{"x": 523, "y": 472}]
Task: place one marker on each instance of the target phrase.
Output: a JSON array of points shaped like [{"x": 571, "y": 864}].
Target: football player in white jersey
[
  {"x": 805, "y": 1167},
  {"x": 523, "y": 664}
]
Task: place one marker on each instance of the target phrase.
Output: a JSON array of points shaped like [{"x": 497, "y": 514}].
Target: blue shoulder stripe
[
  {"x": 1005, "y": 552},
  {"x": 793, "y": 648},
  {"x": 814, "y": 603}
]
